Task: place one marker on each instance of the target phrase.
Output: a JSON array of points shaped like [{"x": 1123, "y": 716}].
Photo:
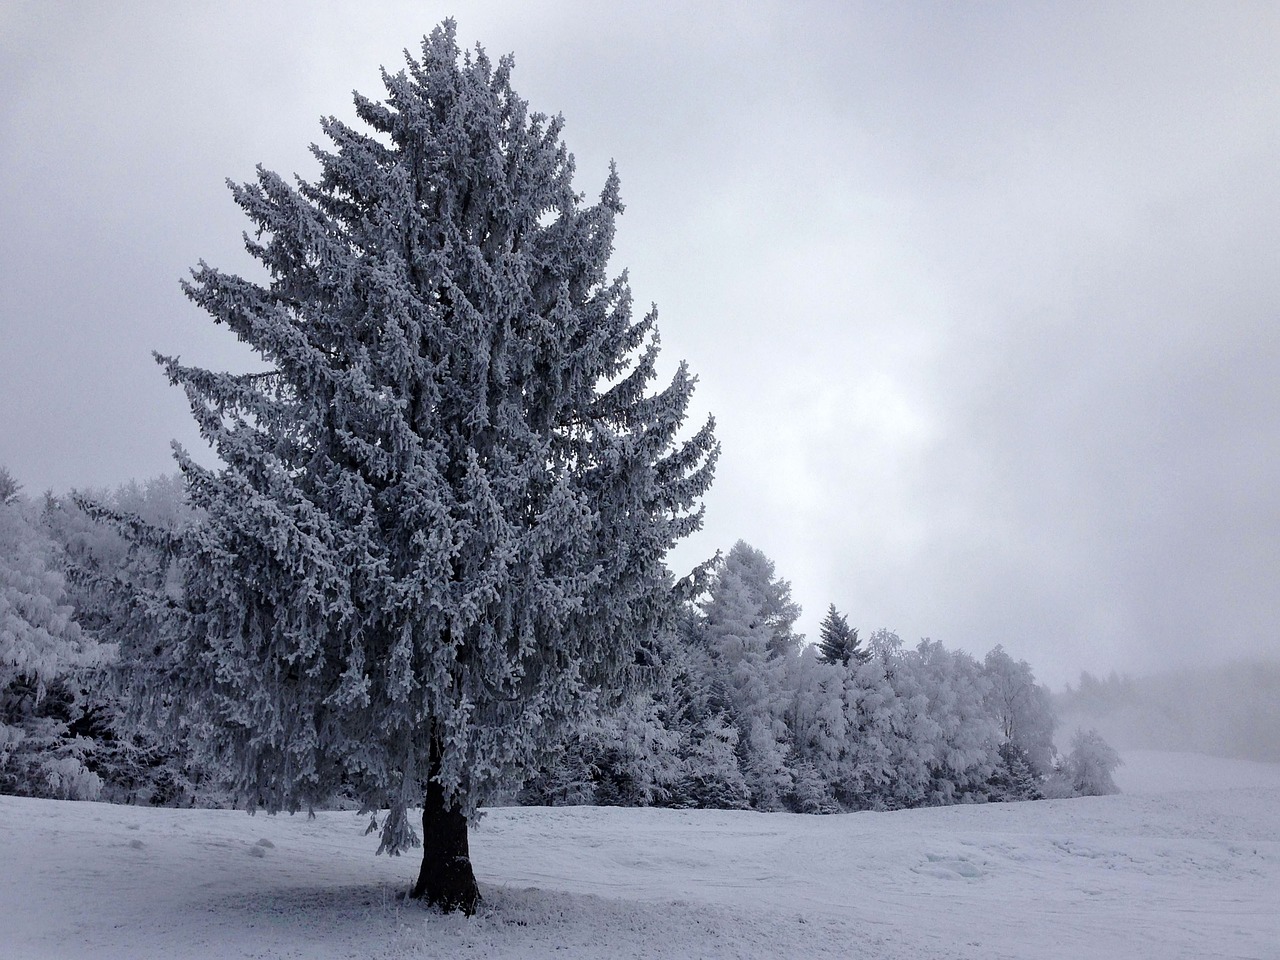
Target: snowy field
[{"x": 1185, "y": 864}]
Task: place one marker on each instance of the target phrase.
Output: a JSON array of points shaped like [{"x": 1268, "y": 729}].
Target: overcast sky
[{"x": 983, "y": 296}]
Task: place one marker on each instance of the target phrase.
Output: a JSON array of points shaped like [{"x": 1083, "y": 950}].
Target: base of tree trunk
[{"x": 446, "y": 879}]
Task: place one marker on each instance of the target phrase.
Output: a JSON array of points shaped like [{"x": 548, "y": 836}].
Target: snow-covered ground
[{"x": 1184, "y": 865}]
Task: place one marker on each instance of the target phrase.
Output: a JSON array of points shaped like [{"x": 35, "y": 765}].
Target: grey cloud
[{"x": 982, "y": 297}]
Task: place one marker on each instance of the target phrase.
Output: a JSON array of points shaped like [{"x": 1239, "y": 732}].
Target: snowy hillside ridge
[{"x": 1185, "y": 864}]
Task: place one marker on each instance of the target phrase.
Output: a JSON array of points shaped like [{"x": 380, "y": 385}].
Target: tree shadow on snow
[{"x": 320, "y": 912}]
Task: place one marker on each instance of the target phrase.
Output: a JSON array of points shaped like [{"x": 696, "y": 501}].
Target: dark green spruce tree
[
  {"x": 441, "y": 515},
  {"x": 838, "y": 641}
]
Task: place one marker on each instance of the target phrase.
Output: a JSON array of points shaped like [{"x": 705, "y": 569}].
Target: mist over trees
[{"x": 1228, "y": 710}]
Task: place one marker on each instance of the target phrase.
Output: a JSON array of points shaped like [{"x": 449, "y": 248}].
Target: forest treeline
[{"x": 728, "y": 708}]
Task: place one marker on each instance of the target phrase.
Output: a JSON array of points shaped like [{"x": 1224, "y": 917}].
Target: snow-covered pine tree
[
  {"x": 41, "y": 648},
  {"x": 9, "y": 487},
  {"x": 699, "y": 709},
  {"x": 965, "y": 742},
  {"x": 1023, "y": 708},
  {"x": 1087, "y": 768},
  {"x": 442, "y": 514},
  {"x": 819, "y": 729},
  {"x": 116, "y": 583},
  {"x": 748, "y": 617},
  {"x": 876, "y": 720}
]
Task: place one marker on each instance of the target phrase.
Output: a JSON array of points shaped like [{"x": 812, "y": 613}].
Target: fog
[{"x": 1230, "y": 710}]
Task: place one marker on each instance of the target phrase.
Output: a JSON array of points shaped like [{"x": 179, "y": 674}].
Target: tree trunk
[{"x": 446, "y": 879}]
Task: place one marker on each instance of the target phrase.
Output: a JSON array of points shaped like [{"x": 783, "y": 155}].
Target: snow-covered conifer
[
  {"x": 1087, "y": 768},
  {"x": 442, "y": 511},
  {"x": 9, "y": 486},
  {"x": 747, "y": 626},
  {"x": 965, "y": 752},
  {"x": 1022, "y": 707},
  {"x": 819, "y": 727},
  {"x": 40, "y": 639},
  {"x": 121, "y": 586},
  {"x": 711, "y": 772},
  {"x": 876, "y": 720},
  {"x": 1015, "y": 778},
  {"x": 41, "y": 646},
  {"x": 634, "y": 753}
]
